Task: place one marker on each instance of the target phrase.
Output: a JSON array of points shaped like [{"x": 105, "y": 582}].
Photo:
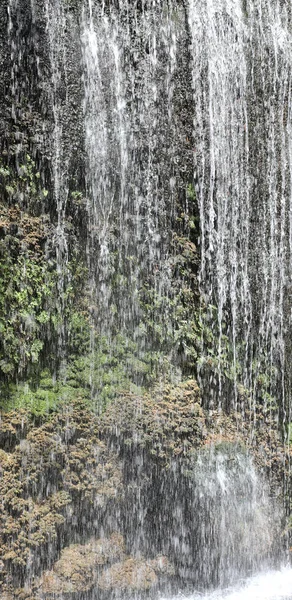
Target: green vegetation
[
  {"x": 51, "y": 348},
  {"x": 26, "y": 288},
  {"x": 37, "y": 315}
]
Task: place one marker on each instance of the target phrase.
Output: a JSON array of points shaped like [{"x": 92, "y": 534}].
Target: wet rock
[
  {"x": 129, "y": 576},
  {"x": 170, "y": 420},
  {"x": 78, "y": 477},
  {"x": 78, "y": 567},
  {"x": 48, "y": 480},
  {"x": 161, "y": 565},
  {"x": 102, "y": 564}
]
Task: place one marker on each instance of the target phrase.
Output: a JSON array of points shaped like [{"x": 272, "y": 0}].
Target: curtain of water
[
  {"x": 114, "y": 136},
  {"x": 55, "y": 30},
  {"x": 221, "y": 154},
  {"x": 129, "y": 68},
  {"x": 238, "y": 528},
  {"x": 217, "y": 511},
  {"x": 242, "y": 84},
  {"x": 129, "y": 58}
]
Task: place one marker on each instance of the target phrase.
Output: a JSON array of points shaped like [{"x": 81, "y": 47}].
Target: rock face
[
  {"x": 108, "y": 503},
  {"x": 111, "y": 504},
  {"x": 79, "y": 566},
  {"x": 50, "y": 474},
  {"x": 101, "y": 565},
  {"x": 76, "y": 108},
  {"x": 131, "y": 575}
]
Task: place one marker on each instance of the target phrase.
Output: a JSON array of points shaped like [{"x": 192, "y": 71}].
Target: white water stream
[
  {"x": 242, "y": 59},
  {"x": 272, "y": 585},
  {"x": 168, "y": 97}
]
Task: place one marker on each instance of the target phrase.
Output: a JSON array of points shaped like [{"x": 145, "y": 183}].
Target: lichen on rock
[{"x": 78, "y": 567}]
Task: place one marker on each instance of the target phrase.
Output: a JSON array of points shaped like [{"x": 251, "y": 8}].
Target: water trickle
[
  {"x": 219, "y": 83},
  {"x": 55, "y": 30}
]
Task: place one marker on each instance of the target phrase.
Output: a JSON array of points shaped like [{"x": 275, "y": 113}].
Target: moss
[
  {"x": 49, "y": 322},
  {"x": 77, "y": 569},
  {"x": 66, "y": 451},
  {"x": 47, "y": 396},
  {"x": 26, "y": 286},
  {"x": 130, "y": 575},
  {"x": 44, "y": 315},
  {"x": 168, "y": 421},
  {"x": 103, "y": 565}
]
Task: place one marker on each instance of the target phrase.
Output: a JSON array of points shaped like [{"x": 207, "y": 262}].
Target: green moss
[
  {"x": 26, "y": 285},
  {"x": 46, "y": 398}
]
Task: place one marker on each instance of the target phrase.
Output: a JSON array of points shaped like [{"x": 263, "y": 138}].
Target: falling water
[
  {"x": 221, "y": 150},
  {"x": 239, "y": 528},
  {"x": 130, "y": 71},
  {"x": 273, "y": 585},
  {"x": 55, "y": 27},
  {"x": 123, "y": 105},
  {"x": 242, "y": 86},
  {"x": 144, "y": 106}
]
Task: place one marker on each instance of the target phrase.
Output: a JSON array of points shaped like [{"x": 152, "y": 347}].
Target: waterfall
[
  {"x": 269, "y": 586},
  {"x": 147, "y": 225},
  {"x": 130, "y": 66},
  {"x": 239, "y": 526},
  {"x": 221, "y": 155},
  {"x": 242, "y": 87},
  {"x": 126, "y": 102},
  {"x": 165, "y": 104}
]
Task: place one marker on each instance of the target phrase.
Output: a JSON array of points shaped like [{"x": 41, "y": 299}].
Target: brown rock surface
[
  {"x": 78, "y": 567},
  {"x": 129, "y": 575},
  {"x": 73, "y": 464},
  {"x": 135, "y": 574}
]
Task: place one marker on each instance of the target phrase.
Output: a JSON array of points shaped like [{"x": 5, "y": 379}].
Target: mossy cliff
[
  {"x": 98, "y": 442},
  {"x": 104, "y": 427},
  {"x": 51, "y": 313}
]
